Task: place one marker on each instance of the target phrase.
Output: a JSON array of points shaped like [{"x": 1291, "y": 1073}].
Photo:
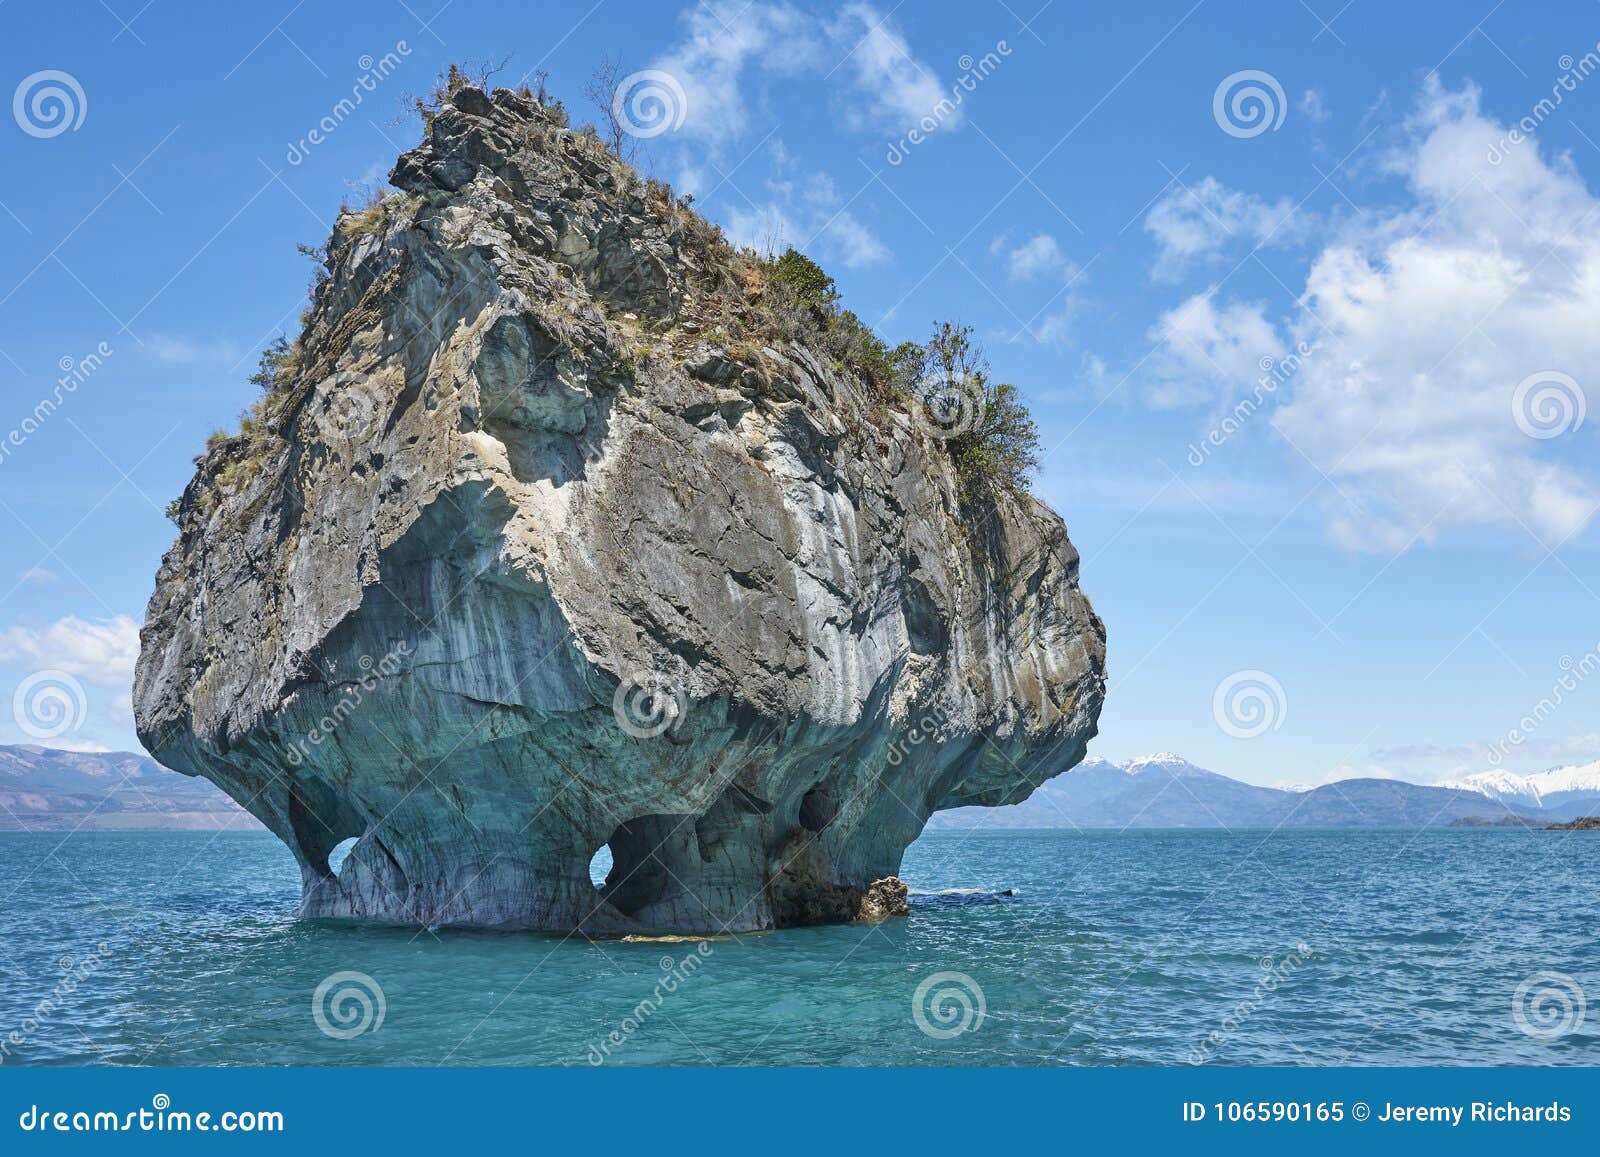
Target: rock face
[
  {"x": 883, "y": 898},
  {"x": 533, "y": 558}
]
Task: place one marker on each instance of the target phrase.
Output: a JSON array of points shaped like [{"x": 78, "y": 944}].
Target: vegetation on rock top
[{"x": 741, "y": 298}]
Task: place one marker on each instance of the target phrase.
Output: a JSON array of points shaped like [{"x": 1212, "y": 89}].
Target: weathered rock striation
[{"x": 533, "y": 556}]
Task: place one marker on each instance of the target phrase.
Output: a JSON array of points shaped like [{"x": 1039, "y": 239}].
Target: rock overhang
[{"x": 518, "y": 486}]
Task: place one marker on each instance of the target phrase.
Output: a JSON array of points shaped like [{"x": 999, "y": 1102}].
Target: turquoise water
[{"x": 1118, "y": 948}]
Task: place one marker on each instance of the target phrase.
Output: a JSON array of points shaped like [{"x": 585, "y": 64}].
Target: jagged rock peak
[{"x": 550, "y": 536}]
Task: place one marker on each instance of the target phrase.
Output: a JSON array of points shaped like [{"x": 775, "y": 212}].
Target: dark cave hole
[
  {"x": 641, "y": 851},
  {"x": 818, "y": 809}
]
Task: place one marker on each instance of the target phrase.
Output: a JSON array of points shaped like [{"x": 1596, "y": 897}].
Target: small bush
[
  {"x": 373, "y": 217},
  {"x": 1000, "y": 446},
  {"x": 805, "y": 281},
  {"x": 1004, "y": 447},
  {"x": 277, "y": 365},
  {"x": 804, "y": 303},
  {"x": 471, "y": 74}
]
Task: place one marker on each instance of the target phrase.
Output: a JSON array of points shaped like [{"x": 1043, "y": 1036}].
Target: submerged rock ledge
[{"x": 532, "y": 557}]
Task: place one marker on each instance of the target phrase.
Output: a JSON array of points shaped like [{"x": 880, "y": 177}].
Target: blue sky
[{"x": 1394, "y": 543}]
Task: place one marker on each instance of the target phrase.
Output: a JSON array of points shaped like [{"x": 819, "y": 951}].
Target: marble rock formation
[{"x": 527, "y": 556}]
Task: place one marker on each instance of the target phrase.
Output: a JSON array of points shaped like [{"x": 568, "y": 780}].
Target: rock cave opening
[
  {"x": 339, "y": 853},
  {"x": 600, "y": 867},
  {"x": 643, "y": 853},
  {"x": 818, "y": 809}
]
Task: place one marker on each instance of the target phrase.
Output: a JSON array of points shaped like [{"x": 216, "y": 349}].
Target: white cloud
[
  {"x": 87, "y": 745},
  {"x": 1196, "y": 224},
  {"x": 1207, "y": 351},
  {"x": 1040, "y": 259},
  {"x": 1056, "y": 325},
  {"x": 1425, "y": 321},
  {"x": 726, "y": 38},
  {"x": 102, "y": 652},
  {"x": 851, "y": 243},
  {"x": 765, "y": 228},
  {"x": 1312, "y": 107},
  {"x": 1037, "y": 258},
  {"x": 38, "y": 576},
  {"x": 858, "y": 56},
  {"x": 730, "y": 41},
  {"x": 806, "y": 211},
  {"x": 1422, "y": 317},
  {"x": 899, "y": 89}
]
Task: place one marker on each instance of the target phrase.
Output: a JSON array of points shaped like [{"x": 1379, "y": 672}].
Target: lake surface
[{"x": 1143, "y": 947}]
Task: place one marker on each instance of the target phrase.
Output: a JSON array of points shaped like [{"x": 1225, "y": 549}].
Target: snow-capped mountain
[
  {"x": 1555, "y": 789},
  {"x": 43, "y": 790},
  {"x": 1167, "y": 791}
]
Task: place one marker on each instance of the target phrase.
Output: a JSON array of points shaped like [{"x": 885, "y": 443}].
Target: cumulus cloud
[
  {"x": 101, "y": 652},
  {"x": 1426, "y": 322},
  {"x": 1423, "y": 317},
  {"x": 731, "y": 43},
  {"x": 1207, "y": 350},
  {"x": 1196, "y": 224},
  {"x": 1036, "y": 259}
]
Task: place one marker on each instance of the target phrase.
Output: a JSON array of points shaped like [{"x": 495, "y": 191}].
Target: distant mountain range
[
  {"x": 42, "y": 789},
  {"x": 47, "y": 790},
  {"x": 1167, "y": 791}
]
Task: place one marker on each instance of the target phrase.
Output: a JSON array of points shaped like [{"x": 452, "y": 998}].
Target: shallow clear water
[{"x": 1119, "y": 948}]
